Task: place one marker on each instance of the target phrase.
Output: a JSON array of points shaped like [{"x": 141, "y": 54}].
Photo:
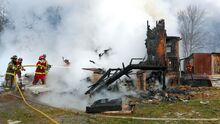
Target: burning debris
[
  {"x": 111, "y": 75},
  {"x": 105, "y": 52},
  {"x": 170, "y": 95},
  {"x": 95, "y": 70},
  {"x": 163, "y": 60},
  {"x": 92, "y": 61},
  {"x": 66, "y": 61}
]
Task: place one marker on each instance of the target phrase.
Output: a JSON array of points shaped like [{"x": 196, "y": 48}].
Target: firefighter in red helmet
[{"x": 40, "y": 71}]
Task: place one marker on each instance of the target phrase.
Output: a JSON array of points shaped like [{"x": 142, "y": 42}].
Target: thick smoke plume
[{"x": 76, "y": 29}]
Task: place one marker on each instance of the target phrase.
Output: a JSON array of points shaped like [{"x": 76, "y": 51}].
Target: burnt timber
[{"x": 107, "y": 80}]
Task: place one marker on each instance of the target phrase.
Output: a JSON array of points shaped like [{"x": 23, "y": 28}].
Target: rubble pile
[{"x": 170, "y": 95}]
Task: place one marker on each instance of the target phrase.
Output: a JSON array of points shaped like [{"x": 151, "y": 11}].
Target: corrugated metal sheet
[{"x": 202, "y": 63}]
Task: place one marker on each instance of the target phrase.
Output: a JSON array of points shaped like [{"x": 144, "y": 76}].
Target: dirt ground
[
  {"x": 13, "y": 108},
  {"x": 204, "y": 104}
]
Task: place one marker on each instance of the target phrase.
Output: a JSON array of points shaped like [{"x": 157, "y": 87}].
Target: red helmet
[{"x": 41, "y": 57}]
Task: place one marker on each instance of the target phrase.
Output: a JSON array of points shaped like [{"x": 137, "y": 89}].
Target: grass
[
  {"x": 191, "y": 109},
  {"x": 14, "y": 109}
]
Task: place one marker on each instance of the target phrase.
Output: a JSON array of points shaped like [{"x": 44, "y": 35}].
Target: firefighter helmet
[
  {"x": 20, "y": 59},
  {"x": 44, "y": 55},
  {"x": 14, "y": 57},
  {"x": 41, "y": 57},
  {"x": 189, "y": 68}
]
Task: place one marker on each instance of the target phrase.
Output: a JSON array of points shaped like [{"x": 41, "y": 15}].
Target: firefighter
[
  {"x": 40, "y": 71},
  {"x": 20, "y": 68},
  {"x": 48, "y": 66},
  {"x": 10, "y": 76},
  {"x": 189, "y": 67}
]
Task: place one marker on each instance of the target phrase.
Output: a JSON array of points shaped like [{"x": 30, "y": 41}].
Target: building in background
[{"x": 204, "y": 63}]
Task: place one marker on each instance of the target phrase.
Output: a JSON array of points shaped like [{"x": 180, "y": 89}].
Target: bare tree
[
  {"x": 215, "y": 35},
  {"x": 3, "y": 19},
  {"x": 191, "y": 22}
]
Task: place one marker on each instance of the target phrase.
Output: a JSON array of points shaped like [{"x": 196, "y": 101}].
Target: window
[{"x": 169, "y": 49}]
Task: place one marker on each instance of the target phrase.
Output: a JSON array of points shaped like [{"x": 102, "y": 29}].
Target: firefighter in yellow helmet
[{"x": 11, "y": 72}]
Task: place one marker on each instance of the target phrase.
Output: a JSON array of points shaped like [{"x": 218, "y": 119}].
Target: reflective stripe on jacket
[
  {"x": 12, "y": 74},
  {"x": 12, "y": 69},
  {"x": 41, "y": 67},
  {"x": 39, "y": 72}
]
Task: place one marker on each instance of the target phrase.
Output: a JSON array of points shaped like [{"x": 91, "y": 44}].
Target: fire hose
[
  {"x": 54, "y": 66},
  {"x": 35, "y": 109}
]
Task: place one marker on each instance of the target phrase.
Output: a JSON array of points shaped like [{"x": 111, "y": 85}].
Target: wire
[
  {"x": 53, "y": 66},
  {"x": 29, "y": 65}
]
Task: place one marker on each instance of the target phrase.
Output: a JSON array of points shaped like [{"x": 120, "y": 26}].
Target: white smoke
[{"x": 75, "y": 29}]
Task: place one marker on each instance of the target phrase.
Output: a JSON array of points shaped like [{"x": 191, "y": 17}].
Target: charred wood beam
[
  {"x": 164, "y": 80},
  {"x": 105, "y": 81}
]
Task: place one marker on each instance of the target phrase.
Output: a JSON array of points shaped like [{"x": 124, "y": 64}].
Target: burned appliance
[{"x": 104, "y": 105}]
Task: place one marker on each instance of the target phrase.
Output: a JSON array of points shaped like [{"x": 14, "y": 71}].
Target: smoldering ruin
[
  {"x": 105, "y": 65},
  {"x": 157, "y": 76}
]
